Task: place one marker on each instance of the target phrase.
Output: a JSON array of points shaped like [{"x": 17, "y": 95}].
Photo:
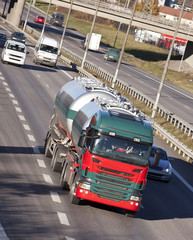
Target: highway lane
[{"x": 27, "y": 187}]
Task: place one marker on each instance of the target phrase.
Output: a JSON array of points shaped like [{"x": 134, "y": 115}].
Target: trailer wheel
[
  {"x": 63, "y": 179},
  {"x": 73, "y": 198},
  {"x": 47, "y": 152},
  {"x": 55, "y": 164}
]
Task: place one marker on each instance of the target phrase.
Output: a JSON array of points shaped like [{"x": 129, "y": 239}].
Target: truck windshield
[
  {"x": 122, "y": 150},
  {"x": 47, "y": 48}
]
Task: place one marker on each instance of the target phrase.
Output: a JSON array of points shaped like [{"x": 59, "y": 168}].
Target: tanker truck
[{"x": 100, "y": 144}]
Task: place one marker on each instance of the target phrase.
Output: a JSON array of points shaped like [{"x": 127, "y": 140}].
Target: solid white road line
[
  {"x": 3, "y": 235},
  {"x": 182, "y": 180}
]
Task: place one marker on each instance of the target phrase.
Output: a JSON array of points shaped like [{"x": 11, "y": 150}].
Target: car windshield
[
  {"x": 114, "y": 51},
  {"x": 122, "y": 150},
  {"x": 163, "y": 155},
  {"x": 18, "y": 34},
  {"x": 48, "y": 48},
  {"x": 16, "y": 47}
]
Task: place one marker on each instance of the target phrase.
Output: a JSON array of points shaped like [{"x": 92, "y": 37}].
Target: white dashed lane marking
[
  {"x": 47, "y": 178},
  {"x": 15, "y": 102},
  {"x": 63, "y": 218},
  {"x": 11, "y": 95},
  {"x": 26, "y": 127},
  {"x": 55, "y": 197},
  {"x": 31, "y": 137},
  {"x": 41, "y": 163},
  {"x": 36, "y": 150},
  {"x": 8, "y": 89},
  {"x": 21, "y": 117},
  {"x": 18, "y": 109},
  {"x": 5, "y": 84}
]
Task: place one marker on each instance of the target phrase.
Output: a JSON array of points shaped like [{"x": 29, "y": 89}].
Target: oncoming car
[
  {"x": 39, "y": 19},
  {"x": 18, "y": 36},
  {"x": 163, "y": 170},
  {"x": 14, "y": 52}
]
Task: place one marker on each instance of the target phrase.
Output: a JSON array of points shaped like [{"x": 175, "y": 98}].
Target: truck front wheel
[{"x": 73, "y": 198}]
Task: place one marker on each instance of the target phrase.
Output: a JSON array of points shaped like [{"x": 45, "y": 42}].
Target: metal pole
[
  {"x": 89, "y": 37},
  {"x": 125, "y": 6},
  {"x": 167, "y": 63},
  {"x": 42, "y": 33},
  {"x": 124, "y": 44},
  {"x": 4, "y": 8},
  {"x": 27, "y": 15},
  {"x": 65, "y": 27}
]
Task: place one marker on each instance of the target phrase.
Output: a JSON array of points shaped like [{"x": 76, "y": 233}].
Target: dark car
[
  {"x": 3, "y": 39},
  {"x": 39, "y": 19},
  {"x": 164, "y": 169},
  {"x": 112, "y": 54},
  {"x": 18, "y": 36}
]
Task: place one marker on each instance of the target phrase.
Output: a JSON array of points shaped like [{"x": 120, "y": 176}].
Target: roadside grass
[{"x": 143, "y": 55}]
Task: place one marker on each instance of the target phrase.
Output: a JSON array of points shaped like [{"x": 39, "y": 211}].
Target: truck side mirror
[
  {"x": 82, "y": 139},
  {"x": 157, "y": 157}
]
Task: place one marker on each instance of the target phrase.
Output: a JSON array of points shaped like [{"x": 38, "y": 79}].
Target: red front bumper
[{"x": 87, "y": 195}]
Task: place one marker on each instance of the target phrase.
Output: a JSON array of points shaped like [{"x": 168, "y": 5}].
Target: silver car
[{"x": 164, "y": 169}]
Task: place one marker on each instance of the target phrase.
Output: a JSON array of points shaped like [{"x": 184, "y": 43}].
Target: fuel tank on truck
[
  {"x": 74, "y": 95},
  {"x": 66, "y": 95},
  {"x": 82, "y": 121}
]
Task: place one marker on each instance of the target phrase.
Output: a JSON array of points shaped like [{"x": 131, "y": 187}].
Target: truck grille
[{"x": 112, "y": 184}]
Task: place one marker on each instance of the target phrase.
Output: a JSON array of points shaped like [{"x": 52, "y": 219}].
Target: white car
[{"x": 14, "y": 52}]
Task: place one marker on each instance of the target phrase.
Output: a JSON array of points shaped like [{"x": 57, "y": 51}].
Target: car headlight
[{"x": 166, "y": 170}]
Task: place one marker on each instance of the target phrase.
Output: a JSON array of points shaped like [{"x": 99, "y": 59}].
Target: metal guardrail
[{"x": 174, "y": 143}]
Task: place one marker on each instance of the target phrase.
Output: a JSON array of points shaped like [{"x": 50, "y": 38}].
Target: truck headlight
[
  {"x": 135, "y": 198},
  {"x": 84, "y": 185}
]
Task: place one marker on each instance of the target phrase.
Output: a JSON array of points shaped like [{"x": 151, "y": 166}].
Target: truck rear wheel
[
  {"x": 73, "y": 198},
  {"x": 63, "y": 178},
  {"x": 47, "y": 152},
  {"x": 56, "y": 165}
]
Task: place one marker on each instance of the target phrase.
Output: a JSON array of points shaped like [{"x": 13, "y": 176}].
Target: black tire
[
  {"x": 47, "y": 152},
  {"x": 55, "y": 164},
  {"x": 63, "y": 179},
  {"x": 73, "y": 199}
]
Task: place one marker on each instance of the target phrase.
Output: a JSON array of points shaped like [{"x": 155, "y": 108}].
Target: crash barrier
[{"x": 186, "y": 153}]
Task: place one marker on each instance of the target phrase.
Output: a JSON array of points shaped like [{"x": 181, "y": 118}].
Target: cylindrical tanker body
[
  {"x": 82, "y": 121},
  {"x": 65, "y": 97}
]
